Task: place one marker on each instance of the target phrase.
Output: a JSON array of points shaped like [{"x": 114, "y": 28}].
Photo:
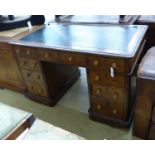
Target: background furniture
[
  {"x": 14, "y": 22},
  {"x": 110, "y": 64},
  {"x": 41, "y": 130},
  {"x": 148, "y": 20},
  {"x": 97, "y": 19},
  {"x": 144, "y": 118},
  {"x": 13, "y": 122}
]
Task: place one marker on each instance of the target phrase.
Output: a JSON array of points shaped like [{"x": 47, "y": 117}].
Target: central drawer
[
  {"x": 48, "y": 55},
  {"x": 73, "y": 59}
]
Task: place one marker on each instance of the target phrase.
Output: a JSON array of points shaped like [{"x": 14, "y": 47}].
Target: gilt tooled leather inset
[{"x": 147, "y": 65}]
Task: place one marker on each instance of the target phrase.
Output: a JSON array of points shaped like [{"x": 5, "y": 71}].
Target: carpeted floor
[{"x": 70, "y": 113}]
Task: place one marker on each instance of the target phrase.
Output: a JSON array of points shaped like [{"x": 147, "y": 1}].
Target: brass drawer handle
[
  {"x": 114, "y": 64},
  {"x": 98, "y": 106},
  {"x": 114, "y": 111},
  {"x": 46, "y": 55},
  {"x": 17, "y": 51},
  {"x": 115, "y": 96},
  {"x": 97, "y": 78},
  {"x": 40, "y": 90},
  {"x": 98, "y": 91},
  {"x": 28, "y": 52},
  {"x": 96, "y": 63},
  {"x": 70, "y": 59}
]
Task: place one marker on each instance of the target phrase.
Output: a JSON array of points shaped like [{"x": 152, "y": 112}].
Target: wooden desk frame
[{"x": 87, "y": 58}]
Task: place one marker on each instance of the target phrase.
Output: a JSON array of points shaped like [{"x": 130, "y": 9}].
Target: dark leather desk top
[{"x": 119, "y": 41}]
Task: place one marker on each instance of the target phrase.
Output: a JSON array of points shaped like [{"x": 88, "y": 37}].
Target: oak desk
[{"x": 49, "y": 58}]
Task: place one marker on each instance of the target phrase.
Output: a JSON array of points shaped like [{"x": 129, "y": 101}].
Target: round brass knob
[
  {"x": 98, "y": 91},
  {"x": 115, "y": 96},
  {"x": 17, "y": 51},
  {"x": 38, "y": 77},
  {"x": 114, "y": 111},
  {"x": 114, "y": 64},
  {"x": 96, "y": 63},
  {"x": 28, "y": 52},
  {"x": 97, "y": 78},
  {"x": 40, "y": 90},
  {"x": 46, "y": 55},
  {"x": 70, "y": 59},
  {"x": 98, "y": 106}
]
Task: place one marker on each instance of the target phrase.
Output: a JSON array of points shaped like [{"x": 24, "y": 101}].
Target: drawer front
[
  {"x": 108, "y": 108},
  {"x": 32, "y": 76},
  {"x": 105, "y": 64},
  {"x": 107, "y": 92},
  {"x": 37, "y": 89},
  {"x": 48, "y": 55},
  {"x": 104, "y": 78},
  {"x": 73, "y": 59},
  {"x": 26, "y": 52},
  {"x": 29, "y": 64}
]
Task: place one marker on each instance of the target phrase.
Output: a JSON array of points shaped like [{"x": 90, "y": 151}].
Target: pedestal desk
[{"x": 49, "y": 57}]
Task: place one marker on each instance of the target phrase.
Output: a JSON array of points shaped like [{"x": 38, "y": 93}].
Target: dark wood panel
[{"x": 57, "y": 76}]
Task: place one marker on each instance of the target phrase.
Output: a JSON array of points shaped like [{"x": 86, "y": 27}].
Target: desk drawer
[
  {"x": 74, "y": 59},
  {"x": 104, "y": 64},
  {"x": 107, "y": 92},
  {"x": 104, "y": 78},
  {"x": 29, "y": 64},
  {"x": 37, "y": 89},
  {"x": 48, "y": 55},
  {"x": 26, "y": 52},
  {"x": 32, "y": 76},
  {"x": 108, "y": 108}
]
